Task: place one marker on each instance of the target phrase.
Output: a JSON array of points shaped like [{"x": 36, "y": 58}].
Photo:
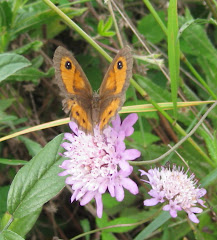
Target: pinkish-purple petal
[
  {"x": 69, "y": 137},
  {"x": 111, "y": 189},
  {"x": 193, "y": 218},
  {"x": 99, "y": 205},
  {"x": 129, "y": 131},
  {"x": 87, "y": 198},
  {"x": 64, "y": 173},
  {"x": 196, "y": 210},
  {"x": 166, "y": 207},
  {"x": 119, "y": 193},
  {"x": 103, "y": 187},
  {"x": 201, "y": 202},
  {"x": 131, "y": 154},
  {"x": 173, "y": 213},
  {"x": 125, "y": 166},
  {"x": 127, "y": 172},
  {"x": 121, "y": 136},
  {"x": 116, "y": 123},
  {"x": 150, "y": 202},
  {"x": 201, "y": 193},
  {"x": 74, "y": 127},
  {"x": 120, "y": 147},
  {"x": 153, "y": 193},
  {"x": 143, "y": 172},
  {"x": 130, "y": 185},
  {"x": 67, "y": 146},
  {"x": 74, "y": 195},
  {"x": 129, "y": 121}
]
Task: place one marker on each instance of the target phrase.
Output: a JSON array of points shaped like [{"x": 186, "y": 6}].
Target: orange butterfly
[{"x": 86, "y": 108}]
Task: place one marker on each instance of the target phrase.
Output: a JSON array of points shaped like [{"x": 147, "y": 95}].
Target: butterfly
[{"x": 88, "y": 108}]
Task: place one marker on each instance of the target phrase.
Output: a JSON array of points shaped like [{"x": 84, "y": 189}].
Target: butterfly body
[{"x": 86, "y": 107}]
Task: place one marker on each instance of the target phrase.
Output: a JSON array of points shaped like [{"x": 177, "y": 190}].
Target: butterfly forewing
[
  {"x": 75, "y": 87},
  {"x": 114, "y": 86}
]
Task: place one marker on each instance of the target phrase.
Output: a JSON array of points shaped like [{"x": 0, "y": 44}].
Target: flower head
[
  {"x": 100, "y": 162},
  {"x": 176, "y": 188}
]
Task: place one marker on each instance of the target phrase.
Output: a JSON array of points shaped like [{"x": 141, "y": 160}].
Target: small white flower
[{"x": 177, "y": 188}]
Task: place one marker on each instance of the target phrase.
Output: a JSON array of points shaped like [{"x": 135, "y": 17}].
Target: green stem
[
  {"x": 182, "y": 56},
  {"x": 73, "y": 25},
  {"x": 119, "y": 225}
]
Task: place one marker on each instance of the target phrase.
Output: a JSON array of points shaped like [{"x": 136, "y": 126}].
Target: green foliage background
[{"x": 175, "y": 59}]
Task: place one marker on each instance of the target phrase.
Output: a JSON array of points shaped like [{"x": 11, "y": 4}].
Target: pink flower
[
  {"x": 176, "y": 188},
  {"x": 99, "y": 163}
]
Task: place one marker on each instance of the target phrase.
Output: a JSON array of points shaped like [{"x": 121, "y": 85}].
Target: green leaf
[
  {"x": 33, "y": 15},
  {"x": 154, "y": 91},
  {"x": 100, "y": 26},
  {"x": 10, "y": 63},
  {"x": 173, "y": 52},
  {"x": 32, "y": 146},
  {"x": 23, "y": 225},
  {"x": 211, "y": 143},
  {"x": 35, "y": 46},
  {"x": 154, "y": 225},
  {"x": 193, "y": 21},
  {"x": 30, "y": 74},
  {"x": 37, "y": 182},
  {"x": 12, "y": 162},
  {"x": 108, "y": 34},
  {"x": 103, "y": 29},
  {"x": 210, "y": 178},
  {"x": 148, "y": 27},
  {"x": 3, "y": 199},
  {"x": 85, "y": 224},
  {"x": 9, "y": 235},
  {"x": 108, "y": 24},
  {"x": 6, "y": 103},
  {"x": 5, "y": 14}
]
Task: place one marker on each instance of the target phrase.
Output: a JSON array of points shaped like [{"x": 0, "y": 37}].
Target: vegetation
[{"x": 175, "y": 58}]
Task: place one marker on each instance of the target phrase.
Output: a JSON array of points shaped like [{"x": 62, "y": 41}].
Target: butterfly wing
[
  {"x": 114, "y": 86},
  {"x": 75, "y": 87}
]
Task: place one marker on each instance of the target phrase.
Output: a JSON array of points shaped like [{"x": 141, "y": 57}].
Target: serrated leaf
[
  {"x": 211, "y": 143},
  {"x": 37, "y": 182},
  {"x": 10, "y": 63}
]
